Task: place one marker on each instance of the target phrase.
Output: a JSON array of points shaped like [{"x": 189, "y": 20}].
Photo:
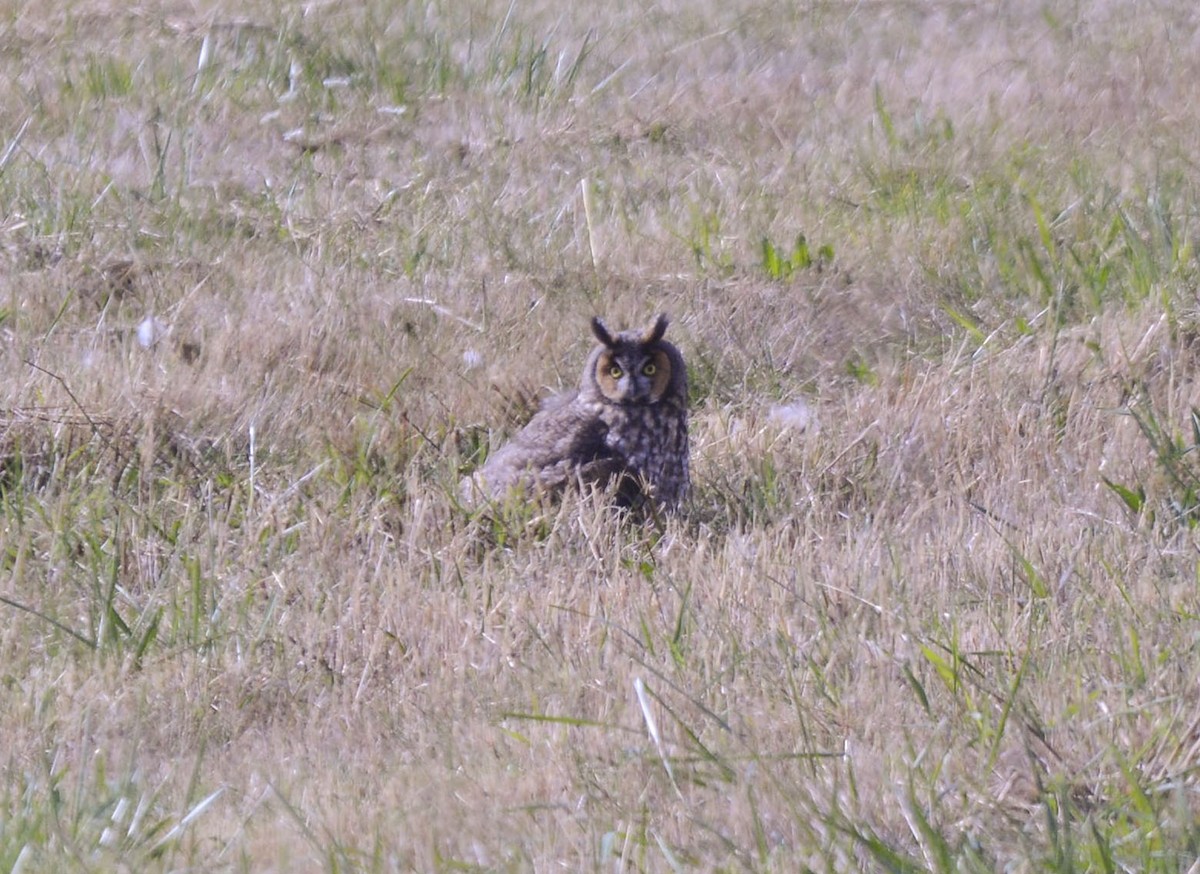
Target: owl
[{"x": 627, "y": 422}]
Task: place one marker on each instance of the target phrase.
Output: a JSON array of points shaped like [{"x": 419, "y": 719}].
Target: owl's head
[{"x": 635, "y": 368}]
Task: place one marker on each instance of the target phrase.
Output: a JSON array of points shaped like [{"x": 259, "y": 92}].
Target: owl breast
[{"x": 652, "y": 445}]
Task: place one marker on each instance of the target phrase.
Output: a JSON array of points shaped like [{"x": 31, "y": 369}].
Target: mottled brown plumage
[{"x": 626, "y": 421}]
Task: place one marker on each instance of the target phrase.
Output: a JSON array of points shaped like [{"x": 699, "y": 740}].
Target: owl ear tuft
[
  {"x": 601, "y": 332},
  {"x": 657, "y": 330}
]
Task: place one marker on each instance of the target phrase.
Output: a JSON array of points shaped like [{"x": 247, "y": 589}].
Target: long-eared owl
[{"x": 627, "y": 421}]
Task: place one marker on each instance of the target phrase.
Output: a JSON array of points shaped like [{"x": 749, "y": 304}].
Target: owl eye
[
  {"x": 615, "y": 372},
  {"x": 650, "y": 369}
]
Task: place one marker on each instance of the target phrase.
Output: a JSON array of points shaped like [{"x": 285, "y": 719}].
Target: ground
[{"x": 276, "y": 276}]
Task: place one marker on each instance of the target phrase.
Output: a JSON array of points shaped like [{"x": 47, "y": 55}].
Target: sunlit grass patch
[{"x": 275, "y": 282}]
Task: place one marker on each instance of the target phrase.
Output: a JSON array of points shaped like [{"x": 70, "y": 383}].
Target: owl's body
[{"x": 626, "y": 421}]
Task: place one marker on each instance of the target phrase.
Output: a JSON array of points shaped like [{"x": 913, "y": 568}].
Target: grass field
[{"x": 277, "y": 275}]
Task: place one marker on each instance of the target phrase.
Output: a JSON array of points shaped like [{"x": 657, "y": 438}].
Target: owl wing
[{"x": 565, "y": 441}]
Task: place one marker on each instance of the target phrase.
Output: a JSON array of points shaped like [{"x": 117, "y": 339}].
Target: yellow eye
[
  {"x": 615, "y": 372},
  {"x": 650, "y": 369}
]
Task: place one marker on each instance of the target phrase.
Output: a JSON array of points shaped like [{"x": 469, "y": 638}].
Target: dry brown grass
[{"x": 933, "y": 604}]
